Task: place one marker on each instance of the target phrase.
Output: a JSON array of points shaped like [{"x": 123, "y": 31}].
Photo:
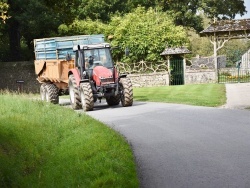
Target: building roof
[
  {"x": 177, "y": 50},
  {"x": 225, "y": 26}
]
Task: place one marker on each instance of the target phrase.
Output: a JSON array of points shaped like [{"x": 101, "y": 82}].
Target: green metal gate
[
  {"x": 233, "y": 75},
  {"x": 176, "y": 72}
]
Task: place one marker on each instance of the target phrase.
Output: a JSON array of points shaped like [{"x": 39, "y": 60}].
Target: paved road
[
  {"x": 180, "y": 146},
  {"x": 184, "y": 146}
]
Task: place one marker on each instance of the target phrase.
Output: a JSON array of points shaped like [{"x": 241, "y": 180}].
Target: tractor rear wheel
[
  {"x": 51, "y": 93},
  {"x": 113, "y": 100},
  {"x": 75, "y": 99},
  {"x": 86, "y": 96},
  {"x": 126, "y": 92}
]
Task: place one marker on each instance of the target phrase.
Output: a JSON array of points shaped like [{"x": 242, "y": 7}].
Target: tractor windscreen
[{"x": 98, "y": 57}]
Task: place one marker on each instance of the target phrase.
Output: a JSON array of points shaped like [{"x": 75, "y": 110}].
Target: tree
[
  {"x": 40, "y": 18},
  {"x": 100, "y": 9},
  {"x": 222, "y": 9},
  {"x": 3, "y": 11},
  {"x": 185, "y": 12},
  {"x": 234, "y": 49},
  {"x": 146, "y": 33},
  {"x": 199, "y": 45},
  {"x": 34, "y": 19},
  {"x": 83, "y": 27}
]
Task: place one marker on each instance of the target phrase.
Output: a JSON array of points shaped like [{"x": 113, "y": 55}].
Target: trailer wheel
[
  {"x": 126, "y": 92},
  {"x": 51, "y": 93},
  {"x": 113, "y": 100},
  {"x": 43, "y": 91},
  {"x": 74, "y": 93},
  {"x": 86, "y": 96}
]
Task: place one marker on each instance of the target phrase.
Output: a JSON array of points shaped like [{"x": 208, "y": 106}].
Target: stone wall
[
  {"x": 13, "y": 72},
  {"x": 200, "y": 76},
  {"x": 151, "y": 79},
  {"x": 198, "y": 63},
  {"x": 160, "y": 79},
  {"x": 18, "y": 76}
]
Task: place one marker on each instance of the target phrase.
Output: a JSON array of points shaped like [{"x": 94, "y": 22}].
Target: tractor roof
[{"x": 91, "y": 46}]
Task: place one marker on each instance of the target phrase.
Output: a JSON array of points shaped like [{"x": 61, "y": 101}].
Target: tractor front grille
[{"x": 107, "y": 80}]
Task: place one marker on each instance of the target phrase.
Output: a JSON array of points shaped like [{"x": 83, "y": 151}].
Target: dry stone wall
[
  {"x": 18, "y": 76},
  {"x": 152, "y": 79},
  {"x": 12, "y": 73},
  {"x": 200, "y": 77}
]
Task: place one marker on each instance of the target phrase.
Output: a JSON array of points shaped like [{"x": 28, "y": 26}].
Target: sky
[{"x": 247, "y": 15}]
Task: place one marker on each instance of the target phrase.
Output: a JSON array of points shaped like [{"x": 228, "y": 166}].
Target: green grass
[
  {"x": 45, "y": 145},
  {"x": 212, "y": 95}
]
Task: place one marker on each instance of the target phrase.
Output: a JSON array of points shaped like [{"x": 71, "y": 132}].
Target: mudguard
[
  {"x": 76, "y": 74},
  {"x": 39, "y": 66}
]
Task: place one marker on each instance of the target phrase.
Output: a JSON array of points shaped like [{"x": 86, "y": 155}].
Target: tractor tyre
[
  {"x": 126, "y": 92},
  {"x": 43, "y": 92},
  {"x": 51, "y": 93},
  {"x": 113, "y": 100},
  {"x": 86, "y": 96},
  {"x": 75, "y": 99}
]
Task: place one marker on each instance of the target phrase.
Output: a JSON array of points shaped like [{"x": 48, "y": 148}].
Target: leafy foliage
[
  {"x": 234, "y": 50},
  {"x": 222, "y": 9},
  {"x": 185, "y": 12},
  {"x": 146, "y": 33},
  {"x": 3, "y": 11},
  {"x": 83, "y": 27},
  {"x": 199, "y": 45},
  {"x": 100, "y": 9},
  {"x": 31, "y": 19}
]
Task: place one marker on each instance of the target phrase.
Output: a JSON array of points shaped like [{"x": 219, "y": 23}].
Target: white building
[{"x": 245, "y": 60}]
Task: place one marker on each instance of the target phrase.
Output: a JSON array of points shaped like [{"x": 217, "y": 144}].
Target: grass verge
[
  {"x": 212, "y": 95},
  {"x": 44, "y": 145}
]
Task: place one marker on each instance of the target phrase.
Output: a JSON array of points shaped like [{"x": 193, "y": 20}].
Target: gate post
[
  {"x": 238, "y": 67},
  {"x": 184, "y": 69}
]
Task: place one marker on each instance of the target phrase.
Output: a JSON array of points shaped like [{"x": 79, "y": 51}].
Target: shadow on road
[
  {"x": 104, "y": 105},
  {"x": 98, "y": 105}
]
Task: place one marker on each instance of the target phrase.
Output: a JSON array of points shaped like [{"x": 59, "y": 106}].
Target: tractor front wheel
[
  {"x": 86, "y": 96},
  {"x": 126, "y": 92},
  {"x": 75, "y": 99}
]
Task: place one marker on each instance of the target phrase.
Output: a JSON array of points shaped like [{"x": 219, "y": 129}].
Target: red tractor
[
  {"x": 95, "y": 77},
  {"x": 83, "y": 67}
]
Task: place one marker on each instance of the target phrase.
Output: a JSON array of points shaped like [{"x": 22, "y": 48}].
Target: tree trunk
[
  {"x": 13, "y": 32},
  {"x": 14, "y": 39}
]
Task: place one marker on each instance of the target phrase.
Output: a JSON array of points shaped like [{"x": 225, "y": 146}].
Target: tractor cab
[
  {"x": 95, "y": 64},
  {"x": 87, "y": 57}
]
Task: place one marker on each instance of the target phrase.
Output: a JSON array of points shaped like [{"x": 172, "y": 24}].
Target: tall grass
[
  {"x": 44, "y": 145},
  {"x": 198, "y": 94}
]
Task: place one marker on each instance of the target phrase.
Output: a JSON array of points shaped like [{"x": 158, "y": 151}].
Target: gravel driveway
[{"x": 238, "y": 96}]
